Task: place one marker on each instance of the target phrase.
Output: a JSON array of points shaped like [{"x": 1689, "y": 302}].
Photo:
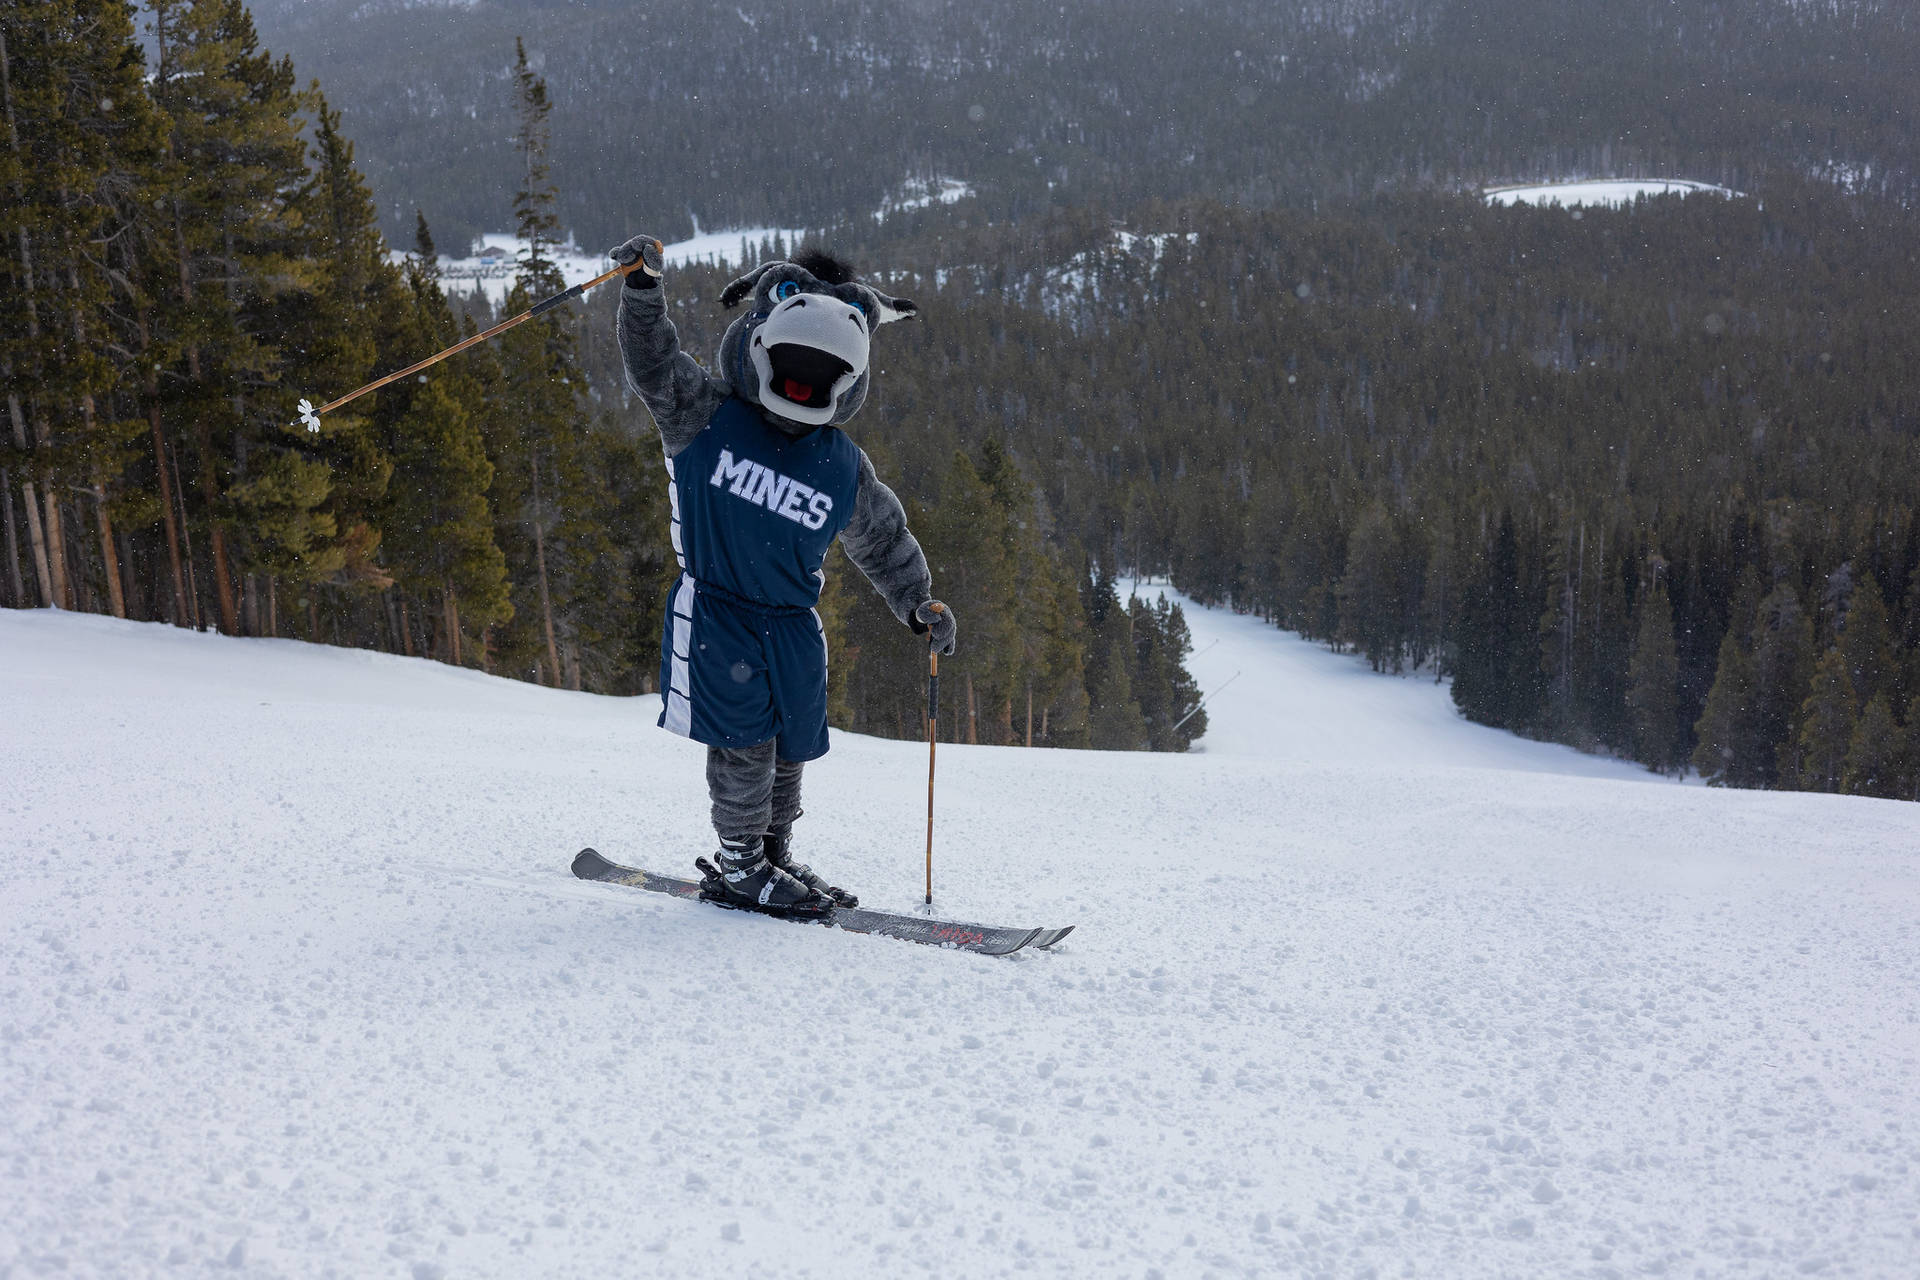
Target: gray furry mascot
[{"x": 762, "y": 481}]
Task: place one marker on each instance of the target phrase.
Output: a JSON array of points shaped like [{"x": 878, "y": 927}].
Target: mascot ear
[
  {"x": 733, "y": 294},
  {"x": 892, "y": 309}
]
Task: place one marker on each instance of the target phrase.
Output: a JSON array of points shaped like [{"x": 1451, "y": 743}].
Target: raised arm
[{"x": 676, "y": 390}]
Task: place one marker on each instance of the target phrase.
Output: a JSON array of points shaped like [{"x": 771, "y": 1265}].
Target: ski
[{"x": 982, "y": 939}]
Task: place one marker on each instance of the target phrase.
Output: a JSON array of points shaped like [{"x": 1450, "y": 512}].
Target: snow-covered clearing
[
  {"x": 491, "y": 265},
  {"x": 1612, "y": 192},
  {"x": 919, "y": 193},
  {"x": 294, "y": 981}
]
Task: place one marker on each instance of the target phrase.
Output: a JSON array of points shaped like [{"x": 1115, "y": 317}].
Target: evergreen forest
[
  {"x": 1641, "y": 480},
  {"x": 191, "y": 250}
]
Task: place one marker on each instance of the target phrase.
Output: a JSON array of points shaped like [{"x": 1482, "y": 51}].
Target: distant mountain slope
[{"x": 802, "y": 112}]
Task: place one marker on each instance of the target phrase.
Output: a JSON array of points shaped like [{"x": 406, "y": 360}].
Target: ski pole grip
[
  {"x": 933, "y": 670},
  {"x": 540, "y": 308},
  {"x": 639, "y": 264}
]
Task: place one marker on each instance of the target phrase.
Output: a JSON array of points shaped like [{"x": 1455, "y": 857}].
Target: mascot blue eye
[{"x": 784, "y": 290}]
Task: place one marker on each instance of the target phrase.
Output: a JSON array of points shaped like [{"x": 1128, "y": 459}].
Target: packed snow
[
  {"x": 294, "y": 981},
  {"x": 1612, "y": 192}
]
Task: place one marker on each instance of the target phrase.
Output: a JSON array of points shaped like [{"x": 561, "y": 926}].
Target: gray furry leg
[
  {"x": 740, "y": 782},
  {"x": 786, "y": 794}
]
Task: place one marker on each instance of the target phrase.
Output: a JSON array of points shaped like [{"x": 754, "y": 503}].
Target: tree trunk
[
  {"x": 16, "y": 589},
  {"x": 139, "y": 603},
  {"x": 546, "y": 601},
  {"x": 109, "y": 557},
  {"x": 56, "y": 548},
  {"x": 250, "y": 603},
  {"x": 37, "y": 536},
  {"x": 1029, "y": 711},
  {"x": 203, "y": 440},
  {"x": 273, "y": 606},
  {"x": 452, "y": 610},
  {"x": 217, "y": 550},
  {"x": 41, "y": 560},
  {"x": 79, "y": 586},
  {"x": 486, "y": 649},
  {"x": 406, "y": 632},
  {"x": 973, "y": 718},
  {"x": 186, "y": 542},
  {"x": 151, "y": 388}
]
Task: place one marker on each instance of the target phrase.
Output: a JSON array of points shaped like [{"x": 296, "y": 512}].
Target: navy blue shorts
[{"x": 736, "y": 674}]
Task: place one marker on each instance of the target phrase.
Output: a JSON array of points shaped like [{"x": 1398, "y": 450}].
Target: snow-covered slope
[
  {"x": 1612, "y": 192},
  {"x": 293, "y": 979}
]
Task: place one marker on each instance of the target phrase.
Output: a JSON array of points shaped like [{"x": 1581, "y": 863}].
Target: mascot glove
[
  {"x": 925, "y": 618},
  {"x": 644, "y": 250}
]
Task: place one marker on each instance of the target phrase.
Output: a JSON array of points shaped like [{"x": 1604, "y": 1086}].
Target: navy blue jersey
[{"x": 755, "y": 510}]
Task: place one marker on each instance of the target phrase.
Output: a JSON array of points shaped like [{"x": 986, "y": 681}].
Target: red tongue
[{"x": 798, "y": 392}]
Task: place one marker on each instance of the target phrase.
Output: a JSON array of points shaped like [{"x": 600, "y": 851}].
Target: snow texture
[
  {"x": 294, "y": 982},
  {"x": 1613, "y": 193}
]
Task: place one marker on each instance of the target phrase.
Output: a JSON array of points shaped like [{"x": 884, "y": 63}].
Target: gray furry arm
[
  {"x": 676, "y": 390},
  {"x": 882, "y": 547}
]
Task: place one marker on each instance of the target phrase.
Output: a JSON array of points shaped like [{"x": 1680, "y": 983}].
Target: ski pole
[
  {"x": 933, "y": 719},
  {"x": 311, "y": 416}
]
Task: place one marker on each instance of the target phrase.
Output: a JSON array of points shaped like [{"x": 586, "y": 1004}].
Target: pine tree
[
  {"x": 1114, "y": 719},
  {"x": 1375, "y": 610},
  {"x": 439, "y": 531},
  {"x": 234, "y": 121},
  {"x": 1782, "y": 670},
  {"x": 305, "y": 504},
  {"x": 81, "y": 137},
  {"x": 1652, "y": 682},
  {"x": 1866, "y": 639},
  {"x": 533, "y": 204},
  {"x": 535, "y": 433},
  {"x": 1826, "y": 724},
  {"x": 1875, "y": 755},
  {"x": 968, "y": 547},
  {"x": 1047, "y": 679},
  {"x": 1496, "y": 663},
  {"x": 1729, "y": 750},
  {"x": 1160, "y": 683}
]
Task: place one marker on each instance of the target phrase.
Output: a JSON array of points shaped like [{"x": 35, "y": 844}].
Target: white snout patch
[{"x": 824, "y": 323}]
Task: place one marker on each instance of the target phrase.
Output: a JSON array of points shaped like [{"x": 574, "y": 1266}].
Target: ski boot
[
  {"x": 777, "y": 845},
  {"x": 746, "y": 879}
]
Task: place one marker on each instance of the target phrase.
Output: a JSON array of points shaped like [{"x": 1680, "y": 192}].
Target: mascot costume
[{"x": 762, "y": 481}]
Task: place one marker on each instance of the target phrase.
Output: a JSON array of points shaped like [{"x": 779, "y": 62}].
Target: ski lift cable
[{"x": 1203, "y": 702}]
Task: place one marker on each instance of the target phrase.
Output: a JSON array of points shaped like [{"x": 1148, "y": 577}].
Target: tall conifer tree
[
  {"x": 1652, "y": 681},
  {"x": 234, "y": 117}
]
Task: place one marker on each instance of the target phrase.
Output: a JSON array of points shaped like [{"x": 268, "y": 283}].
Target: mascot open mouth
[{"x": 805, "y": 375}]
